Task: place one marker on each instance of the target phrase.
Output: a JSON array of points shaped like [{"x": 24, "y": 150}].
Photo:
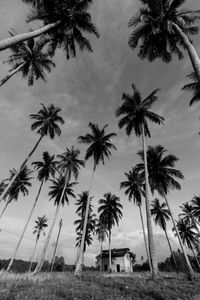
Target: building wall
[{"x": 124, "y": 262}]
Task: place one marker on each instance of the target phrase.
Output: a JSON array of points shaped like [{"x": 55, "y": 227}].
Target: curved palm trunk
[
  {"x": 80, "y": 260},
  {"x": 10, "y": 74},
  {"x": 194, "y": 58},
  {"x": 191, "y": 274},
  {"x": 110, "y": 257},
  {"x": 25, "y": 227},
  {"x": 152, "y": 252},
  {"x": 8, "y": 42},
  {"x": 3, "y": 195},
  {"x": 32, "y": 256},
  {"x": 145, "y": 239},
  {"x": 4, "y": 209},
  {"x": 54, "y": 253},
  {"x": 170, "y": 248}
]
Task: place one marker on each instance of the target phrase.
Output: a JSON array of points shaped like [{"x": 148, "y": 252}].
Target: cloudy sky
[{"x": 89, "y": 89}]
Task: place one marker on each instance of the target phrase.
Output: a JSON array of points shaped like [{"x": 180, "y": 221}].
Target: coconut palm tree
[
  {"x": 64, "y": 22},
  {"x": 46, "y": 124},
  {"x": 56, "y": 245},
  {"x": 101, "y": 233},
  {"x": 164, "y": 29},
  {"x": 110, "y": 213},
  {"x": 20, "y": 185},
  {"x": 136, "y": 114},
  {"x": 134, "y": 189},
  {"x": 60, "y": 192},
  {"x": 30, "y": 59},
  {"x": 193, "y": 87},
  {"x": 163, "y": 178},
  {"x": 100, "y": 147},
  {"x": 161, "y": 215},
  {"x": 188, "y": 216},
  {"x": 196, "y": 207},
  {"x": 81, "y": 202},
  {"x": 41, "y": 224},
  {"x": 46, "y": 168},
  {"x": 188, "y": 236}
]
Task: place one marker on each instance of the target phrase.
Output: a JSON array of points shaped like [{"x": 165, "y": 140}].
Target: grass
[{"x": 96, "y": 286}]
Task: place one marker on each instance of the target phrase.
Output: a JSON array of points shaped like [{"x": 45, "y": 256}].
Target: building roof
[{"x": 120, "y": 252}]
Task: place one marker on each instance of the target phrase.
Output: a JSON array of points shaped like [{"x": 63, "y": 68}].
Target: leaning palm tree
[
  {"x": 101, "y": 233},
  {"x": 110, "y": 213},
  {"x": 193, "y": 87},
  {"x": 41, "y": 224},
  {"x": 134, "y": 189},
  {"x": 100, "y": 147},
  {"x": 164, "y": 29},
  {"x": 188, "y": 236},
  {"x": 30, "y": 59},
  {"x": 60, "y": 192},
  {"x": 56, "y": 245},
  {"x": 187, "y": 215},
  {"x": 21, "y": 185},
  {"x": 46, "y": 168},
  {"x": 136, "y": 114},
  {"x": 162, "y": 178},
  {"x": 64, "y": 22},
  {"x": 46, "y": 123},
  {"x": 161, "y": 215}
]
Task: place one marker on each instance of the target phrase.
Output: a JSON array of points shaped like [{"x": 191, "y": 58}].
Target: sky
[{"x": 89, "y": 88}]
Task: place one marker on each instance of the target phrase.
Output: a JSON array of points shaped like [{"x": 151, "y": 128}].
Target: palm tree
[
  {"x": 136, "y": 114},
  {"x": 41, "y": 224},
  {"x": 188, "y": 216},
  {"x": 165, "y": 29},
  {"x": 46, "y": 168},
  {"x": 161, "y": 215},
  {"x": 134, "y": 186},
  {"x": 196, "y": 207},
  {"x": 21, "y": 185},
  {"x": 193, "y": 87},
  {"x": 163, "y": 178},
  {"x": 63, "y": 22},
  {"x": 188, "y": 236},
  {"x": 46, "y": 123},
  {"x": 110, "y": 213},
  {"x": 60, "y": 192},
  {"x": 99, "y": 148},
  {"x": 81, "y": 202},
  {"x": 101, "y": 233},
  {"x": 56, "y": 245},
  {"x": 69, "y": 164},
  {"x": 30, "y": 59}
]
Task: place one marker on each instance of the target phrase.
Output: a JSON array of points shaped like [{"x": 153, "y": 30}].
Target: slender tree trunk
[
  {"x": 4, "y": 209},
  {"x": 32, "y": 256},
  {"x": 54, "y": 253},
  {"x": 10, "y": 74},
  {"x": 46, "y": 245},
  {"x": 170, "y": 248},
  {"x": 145, "y": 239},
  {"x": 3, "y": 195},
  {"x": 25, "y": 227},
  {"x": 79, "y": 262},
  {"x": 110, "y": 258},
  {"x": 191, "y": 274},
  {"x": 8, "y": 42},
  {"x": 195, "y": 257},
  {"x": 152, "y": 252},
  {"x": 101, "y": 260},
  {"x": 194, "y": 58}
]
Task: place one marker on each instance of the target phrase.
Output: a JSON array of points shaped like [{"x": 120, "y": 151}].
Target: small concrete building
[{"x": 122, "y": 260}]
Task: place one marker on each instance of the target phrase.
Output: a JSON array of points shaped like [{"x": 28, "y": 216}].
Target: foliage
[
  {"x": 45, "y": 168},
  {"x": 193, "y": 87},
  {"x": 56, "y": 190}
]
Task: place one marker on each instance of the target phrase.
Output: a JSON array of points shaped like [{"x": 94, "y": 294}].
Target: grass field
[{"x": 96, "y": 286}]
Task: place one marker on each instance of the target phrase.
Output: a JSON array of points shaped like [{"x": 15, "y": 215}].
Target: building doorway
[
  {"x": 105, "y": 268},
  {"x": 118, "y": 268}
]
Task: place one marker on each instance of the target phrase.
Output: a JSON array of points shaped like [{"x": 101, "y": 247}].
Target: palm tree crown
[
  {"x": 187, "y": 234},
  {"x": 162, "y": 174},
  {"x": 46, "y": 167},
  {"x": 196, "y": 206},
  {"x": 81, "y": 202},
  {"x": 56, "y": 190},
  {"x": 158, "y": 25},
  {"x": 160, "y": 213},
  {"x": 193, "y": 87},
  {"x": 100, "y": 231},
  {"x": 100, "y": 144},
  {"x": 46, "y": 121},
  {"x": 41, "y": 224},
  {"x": 136, "y": 113},
  {"x": 187, "y": 213}
]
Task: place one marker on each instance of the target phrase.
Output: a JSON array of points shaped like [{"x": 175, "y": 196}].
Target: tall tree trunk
[
  {"x": 46, "y": 245},
  {"x": 25, "y": 227},
  {"x": 4, "y": 209},
  {"x": 32, "y": 256},
  {"x": 79, "y": 262},
  {"x": 10, "y": 74},
  {"x": 195, "y": 257},
  {"x": 194, "y": 58},
  {"x": 8, "y": 42},
  {"x": 145, "y": 239},
  {"x": 101, "y": 260},
  {"x": 170, "y": 248},
  {"x": 191, "y": 274},
  {"x": 3, "y": 195},
  {"x": 56, "y": 245},
  {"x": 110, "y": 258},
  {"x": 152, "y": 252}
]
